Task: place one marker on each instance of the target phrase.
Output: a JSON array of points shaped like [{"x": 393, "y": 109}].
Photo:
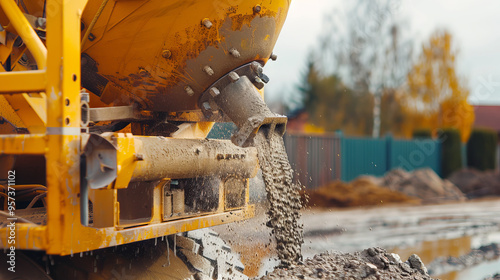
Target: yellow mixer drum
[{"x": 164, "y": 54}]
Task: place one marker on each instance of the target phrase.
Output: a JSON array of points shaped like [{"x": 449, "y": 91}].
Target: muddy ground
[{"x": 430, "y": 231}]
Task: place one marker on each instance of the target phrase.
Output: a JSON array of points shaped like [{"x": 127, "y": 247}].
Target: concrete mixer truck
[{"x": 105, "y": 108}]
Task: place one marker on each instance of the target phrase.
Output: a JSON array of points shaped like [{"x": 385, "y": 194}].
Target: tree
[
  {"x": 393, "y": 115},
  {"x": 366, "y": 48},
  {"x": 435, "y": 90},
  {"x": 331, "y": 105}
]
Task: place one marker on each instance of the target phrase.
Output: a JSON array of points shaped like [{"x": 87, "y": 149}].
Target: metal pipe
[
  {"x": 160, "y": 157},
  {"x": 92, "y": 23},
  {"x": 24, "y": 29},
  {"x": 84, "y": 194}
]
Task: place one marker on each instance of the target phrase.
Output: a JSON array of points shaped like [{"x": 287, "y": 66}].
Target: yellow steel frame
[{"x": 59, "y": 78}]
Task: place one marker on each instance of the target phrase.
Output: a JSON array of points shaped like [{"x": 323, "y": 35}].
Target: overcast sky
[{"x": 475, "y": 26}]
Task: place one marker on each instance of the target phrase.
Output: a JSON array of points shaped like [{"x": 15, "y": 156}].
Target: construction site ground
[{"x": 445, "y": 236}]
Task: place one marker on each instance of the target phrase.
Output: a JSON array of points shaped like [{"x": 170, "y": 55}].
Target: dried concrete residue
[
  {"x": 283, "y": 195},
  {"x": 372, "y": 263}
]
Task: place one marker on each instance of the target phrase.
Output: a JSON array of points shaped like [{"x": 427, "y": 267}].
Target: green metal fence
[
  {"x": 320, "y": 159},
  {"x": 368, "y": 156},
  {"x": 315, "y": 159},
  {"x": 414, "y": 154}
]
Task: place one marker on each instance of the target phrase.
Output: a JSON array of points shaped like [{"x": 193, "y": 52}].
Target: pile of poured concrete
[{"x": 370, "y": 264}]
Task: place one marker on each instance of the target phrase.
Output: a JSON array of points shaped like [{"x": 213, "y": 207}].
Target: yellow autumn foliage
[
  {"x": 435, "y": 96},
  {"x": 458, "y": 114},
  {"x": 313, "y": 129}
]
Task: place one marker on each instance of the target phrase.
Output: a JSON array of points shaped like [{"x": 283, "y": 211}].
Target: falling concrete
[{"x": 283, "y": 195}]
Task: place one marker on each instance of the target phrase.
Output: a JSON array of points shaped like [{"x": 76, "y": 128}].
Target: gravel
[
  {"x": 372, "y": 263},
  {"x": 283, "y": 196}
]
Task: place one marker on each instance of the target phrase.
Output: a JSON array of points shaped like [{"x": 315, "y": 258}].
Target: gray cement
[
  {"x": 372, "y": 263},
  {"x": 283, "y": 196}
]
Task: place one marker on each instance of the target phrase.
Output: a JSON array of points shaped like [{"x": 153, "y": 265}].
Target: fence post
[
  {"x": 343, "y": 155},
  {"x": 463, "y": 151},
  {"x": 498, "y": 156},
  {"x": 388, "y": 142}
]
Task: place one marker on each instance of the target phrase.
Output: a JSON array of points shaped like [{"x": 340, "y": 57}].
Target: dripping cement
[{"x": 283, "y": 196}]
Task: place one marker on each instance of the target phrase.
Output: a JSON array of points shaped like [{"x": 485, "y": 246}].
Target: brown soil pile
[
  {"x": 370, "y": 264},
  {"x": 360, "y": 192},
  {"x": 422, "y": 183},
  {"x": 476, "y": 183}
]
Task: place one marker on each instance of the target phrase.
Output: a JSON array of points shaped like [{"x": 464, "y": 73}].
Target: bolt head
[
  {"x": 41, "y": 22},
  {"x": 256, "y": 67},
  {"x": 258, "y": 83},
  {"x": 207, "y": 69},
  {"x": 189, "y": 90},
  {"x": 214, "y": 92},
  {"x": 273, "y": 56},
  {"x": 257, "y": 9},
  {"x": 206, "y": 106},
  {"x": 206, "y": 22},
  {"x": 234, "y": 77},
  {"x": 166, "y": 54},
  {"x": 234, "y": 52}
]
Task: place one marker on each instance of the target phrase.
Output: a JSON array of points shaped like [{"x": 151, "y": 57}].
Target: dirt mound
[
  {"x": 394, "y": 177},
  {"x": 372, "y": 263},
  {"x": 476, "y": 183},
  {"x": 360, "y": 192},
  {"x": 424, "y": 184}
]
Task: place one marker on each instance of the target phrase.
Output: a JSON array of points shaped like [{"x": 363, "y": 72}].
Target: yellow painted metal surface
[
  {"x": 28, "y": 236},
  {"x": 23, "y": 144},
  {"x": 63, "y": 84},
  {"x": 106, "y": 204},
  {"x": 8, "y": 113},
  {"x": 152, "y": 50},
  {"x": 126, "y": 160},
  {"x": 31, "y": 110},
  {"x": 23, "y": 81},
  {"x": 82, "y": 239},
  {"x": 23, "y": 28},
  {"x": 157, "y": 49}
]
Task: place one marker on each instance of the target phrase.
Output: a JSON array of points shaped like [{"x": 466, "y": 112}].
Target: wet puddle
[
  {"x": 478, "y": 272},
  {"x": 431, "y": 250}
]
